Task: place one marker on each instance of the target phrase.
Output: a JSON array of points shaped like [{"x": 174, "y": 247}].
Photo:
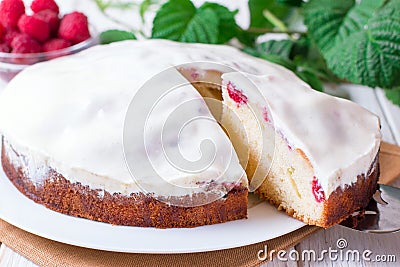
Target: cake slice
[{"x": 313, "y": 155}]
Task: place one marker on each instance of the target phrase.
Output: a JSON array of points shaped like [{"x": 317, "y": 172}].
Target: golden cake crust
[
  {"x": 138, "y": 209},
  {"x": 59, "y": 194}
]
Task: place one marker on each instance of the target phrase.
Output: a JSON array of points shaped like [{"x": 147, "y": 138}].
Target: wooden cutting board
[{"x": 389, "y": 158}]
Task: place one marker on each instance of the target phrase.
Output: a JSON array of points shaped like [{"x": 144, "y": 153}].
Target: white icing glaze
[{"x": 71, "y": 111}]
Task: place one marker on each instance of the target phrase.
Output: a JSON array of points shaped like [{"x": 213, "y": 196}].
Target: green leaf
[
  {"x": 287, "y": 63},
  {"x": 304, "y": 47},
  {"x": 257, "y": 7},
  {"x": 324, "y": 18},
  {"x": 286, "y": 48},
  {"x": 172, "y": 19},
  {"x": 203, "y": 28},
  {"x": 251, "y": 51},
  {"x": 245, "y": 37},
  {"x": 381, "y": 49},
  {"x": 315, "y": 66},
  {"x": 393, "y": 95},
  {"x": 281, "y": 48},
  {"x": 111, "y": 36},
  {"x": 290, "y": 2},
  {"x": 179, "y": 20},
  {"x": 227, "y": 27},
  {"x": 360, "y": 41}
]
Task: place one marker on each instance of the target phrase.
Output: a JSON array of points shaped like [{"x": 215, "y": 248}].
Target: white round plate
[{"x": 264, "y": 222}]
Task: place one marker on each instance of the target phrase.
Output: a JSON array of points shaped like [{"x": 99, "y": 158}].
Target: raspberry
[
  {"x": 9, "y": 37},
  {"x": 55, "y": 44},
  {"x": 51, "y": 18},
  {"x": 236, "y": 94},
  {"x": 317, "y": 190},
  {"x": 3, "y": 32},
  {"x": 4, "y": 48},
  {"x": 39, "y": 5},
  {"x": 10, "y": 12},
  {"x": 74, "y": 27},
  {"x": 34, "y": 27},
  {"x": 23, "y": 43}
]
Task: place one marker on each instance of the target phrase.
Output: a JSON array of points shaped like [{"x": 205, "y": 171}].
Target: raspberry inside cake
[{"x": 313, "y": 155}]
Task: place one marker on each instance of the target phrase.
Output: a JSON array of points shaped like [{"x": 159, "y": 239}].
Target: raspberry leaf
[
  {"x": 246, "y": 38},
  {"x": 360, "y": 41},
  {"x": 324, "y": 18},
  {"x": 393, "y": 95},
  {"x": 172, "y": 19},
  {"x": 282, "y": 48},
  {"x": 202, "y": 28},
  {"x": 180, "y": 20},
  {"x": 227, "y": 27},
  {"x": 111, "y": 36}
]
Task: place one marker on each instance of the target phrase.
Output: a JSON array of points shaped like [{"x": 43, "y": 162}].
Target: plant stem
[
  {"x": 266, "y": 30},
  {"x": 275, "y": 20}
]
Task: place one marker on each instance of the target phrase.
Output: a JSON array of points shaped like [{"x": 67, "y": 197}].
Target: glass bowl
[{"x": 12, "y": 63}]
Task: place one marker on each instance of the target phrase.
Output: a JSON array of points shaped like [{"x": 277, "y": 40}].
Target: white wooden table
[{"x": 374, "y": 100}]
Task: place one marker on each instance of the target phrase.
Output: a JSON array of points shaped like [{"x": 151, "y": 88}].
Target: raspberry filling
[
  {"x": 236, "y": 95},
  {"x": 317, "y": 190},
  {"x": 265, "y": 114}
]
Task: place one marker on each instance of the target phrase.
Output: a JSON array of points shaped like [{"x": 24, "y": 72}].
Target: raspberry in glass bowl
[{"x": 40, "y": 35}]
